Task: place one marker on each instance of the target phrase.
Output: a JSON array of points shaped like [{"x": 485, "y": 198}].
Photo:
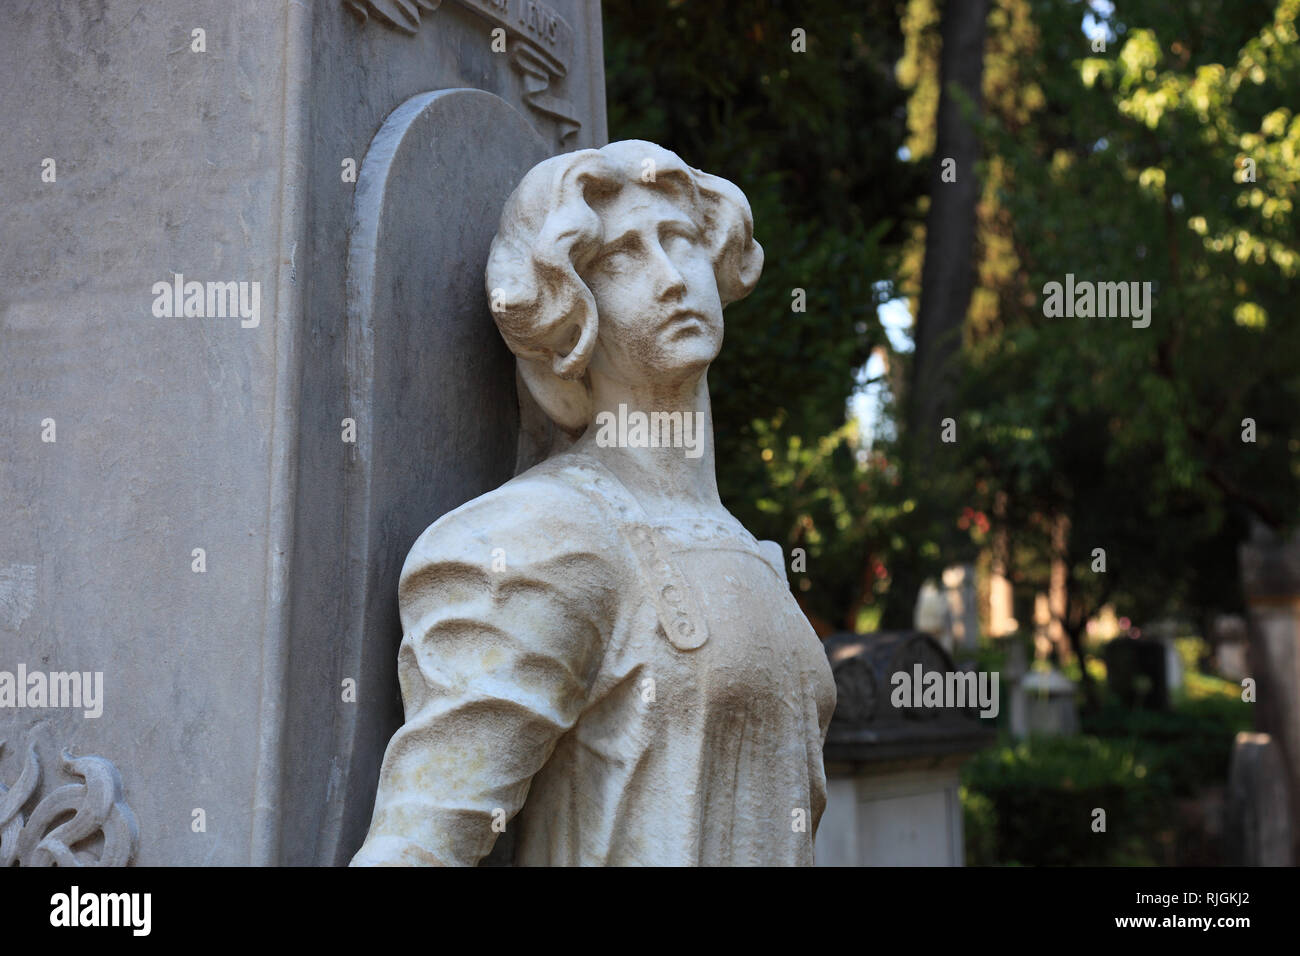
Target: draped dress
[{"x": 616, "y": 689}]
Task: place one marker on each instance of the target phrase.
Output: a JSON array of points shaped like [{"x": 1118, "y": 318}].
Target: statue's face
[{"x": 656, "y": 293}]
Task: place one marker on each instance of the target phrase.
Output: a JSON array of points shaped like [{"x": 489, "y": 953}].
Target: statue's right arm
[{"x": 503, "y": 605}]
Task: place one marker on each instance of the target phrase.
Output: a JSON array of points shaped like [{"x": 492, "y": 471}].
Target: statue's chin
[
  {"x": 682, "y": 369},
  {"x": 686, "y": 351}
]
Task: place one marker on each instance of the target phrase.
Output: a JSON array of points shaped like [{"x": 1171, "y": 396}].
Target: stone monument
[
  {"x": 959, "y": 589},
  {"x": 893, "y": 768},
  {"x": 1258, "y": 811},
  {"x": 1270, "y": 579},
  {"x": 1228, "y": 636},
  {"x": 246, "y": 360},
  {"x": 948, "y": 610},
  {"x": 597, "y": 655}
]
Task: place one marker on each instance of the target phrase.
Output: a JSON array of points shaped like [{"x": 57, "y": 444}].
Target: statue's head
[{"x": 617, "y": 261}]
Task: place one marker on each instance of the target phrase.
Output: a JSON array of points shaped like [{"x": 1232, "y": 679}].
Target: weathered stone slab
[
  {"x": 1270, "y": 577},
  {"x": 1258, "y": 828},
  {"x": 196, "y": 526},
  {"x": 893, "y": 772}
]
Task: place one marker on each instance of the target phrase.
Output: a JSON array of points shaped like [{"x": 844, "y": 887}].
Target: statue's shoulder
[{"x": 539, "y": 515}]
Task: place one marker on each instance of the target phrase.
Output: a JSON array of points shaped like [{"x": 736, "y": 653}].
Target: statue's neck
[{"x": 658, "y": 440}]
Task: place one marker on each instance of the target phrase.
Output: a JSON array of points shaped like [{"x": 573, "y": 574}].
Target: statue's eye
[
  {"x": 619, "y": 255},
  {"x": 678, "y": 241},
  {"x": 615, "y": 260}
]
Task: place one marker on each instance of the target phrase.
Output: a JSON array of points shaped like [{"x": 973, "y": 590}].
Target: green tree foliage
[{"x": 1130, "y": 164}]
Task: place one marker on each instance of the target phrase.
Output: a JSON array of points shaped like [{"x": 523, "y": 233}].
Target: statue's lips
[{"x": 682, "y": 316}]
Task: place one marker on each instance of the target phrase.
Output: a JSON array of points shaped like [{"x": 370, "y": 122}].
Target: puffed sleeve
[{"x": 505, "y": 607}]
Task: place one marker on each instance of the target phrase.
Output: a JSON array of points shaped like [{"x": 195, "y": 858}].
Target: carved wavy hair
[{"x": 552, "y": 228}]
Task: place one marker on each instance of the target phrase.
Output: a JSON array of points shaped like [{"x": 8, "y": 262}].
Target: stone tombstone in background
[
  {"x": 1137, "y": 671},
  {"x": 1258, "y": 812},
  {"x": 932, "y": 614},
  {"x": 1229, "y": 637},
  {"x": 948, "y": 609},
  {"x": 597, "y": 656},
  {"x": 1043, "y": 703},
  {"x": 959, "y": 589},
  {"x": 893, "y": 773},
  {"x": 1270, "y": 579},
  {"x": 1167, "y": 631},
  {"x": 247, "y": 358}
]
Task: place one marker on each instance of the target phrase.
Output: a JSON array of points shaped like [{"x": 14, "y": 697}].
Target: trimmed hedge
[{"x": 1031, "y": 803}]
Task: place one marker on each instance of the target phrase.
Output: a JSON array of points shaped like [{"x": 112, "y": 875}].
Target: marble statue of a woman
[{"x": 597, "y": 651}]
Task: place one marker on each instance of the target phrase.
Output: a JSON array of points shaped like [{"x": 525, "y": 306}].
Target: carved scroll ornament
[
  {"x": 540, "y": 43},
  {"x": 48, "y": 837}
]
